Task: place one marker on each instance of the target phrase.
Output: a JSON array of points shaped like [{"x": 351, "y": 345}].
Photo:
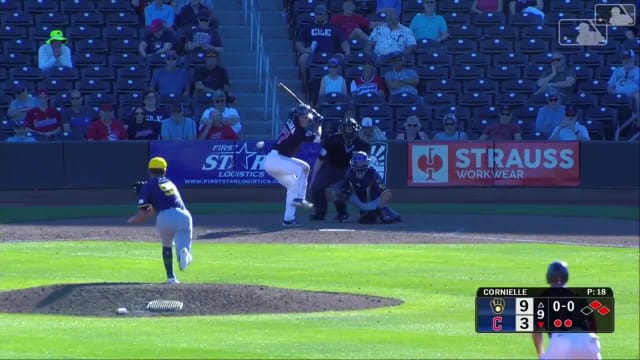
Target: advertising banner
[
  {"x": 494, "y": 164},
  {"x": 201, "y": 163}
]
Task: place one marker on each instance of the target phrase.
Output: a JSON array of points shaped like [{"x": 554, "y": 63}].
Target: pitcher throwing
[{"x": 291, "y": 172}]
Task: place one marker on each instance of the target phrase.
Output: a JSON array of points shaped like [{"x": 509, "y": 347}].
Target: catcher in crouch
[{"x": 364, "y": 189}]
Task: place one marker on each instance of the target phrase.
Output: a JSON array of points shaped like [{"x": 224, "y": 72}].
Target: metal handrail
[{"x": 263, "y": 68}]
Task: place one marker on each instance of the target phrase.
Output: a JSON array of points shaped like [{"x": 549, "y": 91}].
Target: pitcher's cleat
[
  {"x": 291, "y": 223},
  {"x": 173, "y": 281},
  {"x": 185, "y": 258}
]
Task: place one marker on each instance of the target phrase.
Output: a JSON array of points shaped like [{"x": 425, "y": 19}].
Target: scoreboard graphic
[{"x": 574, "y": 310}]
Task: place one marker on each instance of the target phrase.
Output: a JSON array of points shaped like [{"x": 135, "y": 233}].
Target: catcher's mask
[
  {"x": 349, "y": 129},
  {"x": 299, "y": 110},
  {"x": 359, "y": 163},
  {"x": 557, "y": 274}
]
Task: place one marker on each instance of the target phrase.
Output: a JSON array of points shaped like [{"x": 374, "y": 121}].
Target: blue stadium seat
[
  {"x": 107, "y": 6},
  {"x": 614, "y": 100},
  {"x": 500, "y": 32},
  {"x": 431, "y": 72},
  {"x": 524, "y": 19},
  {"x": 596, "y": 129},
  {"x": 510, "y": 59},
  {"x": 123, "y": 45},
  {"x": 9, "y": 32},
  {"x": 53, "y": 19},
  {"x": 356, "y": 45},
  {"x": 18, "y": 18},
  {"x": 527, "y": 113},
  {"x": 454, "y": 18},
  {"x": 88, "y": 18},
  {"x": 581, "y": 100},
  {"x": 90, "y": 59},
  {"x": 540, "y": 32},
  {"x": 90, "y": 86},
  {"x": 496, "y": 46},
  {"x": 90, "y": 46},
  {"x": 460, "y": 46},
  {"x": 123, "y": 19},
  {"x": 95, "y": 100},
  {"x": 125, "y": 59},
  {"x": 488, "y": 19},
  {"x": 9, "y": 6},
  {"x": 77, "y": 6},
  {"x": 464, "y": 31},
  {"x": 566, "y": 5},
  {"x": 55, "y": 86},
  {"x": 594, "y": 86},
  {"x": 26, "y": 72},
  {"x": 486, "y": 86},
  {"x": 420, "y": 110},
  {"x": 120, "y": 32},
  {"x": 602, "y": 114},
  {"x": 63, "y": 73},
  {"x": 504, "y": 72},
  {"x": 427, "y": 46},
  {"x": 462, "y": 6},
  {"x": 512, "y": 99},
  {"x": 532, "y": 46},
  {"x": 473, "y": 58},
  {"x": 42, "y": 6},
  {"x": 553, "y": 18},
  {"x": 371, "y": 99},
  {"x": 41, "y": 32},
  {"x": 403, "y": 99},
  {"x": 522, "y": 86},
  {"x": 133, "y": 72},
  {"x": 587, "y": 59},
  {"x": 98, "y": 73},
  {"x": 333, "y": 111},
  {"x": 444, "y": 86},
  {"x": 440, "y": 99},
  {"x": 610, "y": 48},
  {"x": 334, "y": 98},
  {"x": 84, "y": 32},
  {"x": 25, "y": 46},
  {"x": 383, "y": 113},
  {"x": 130, "y": 100},
  {"x": 583, "y": 72},
  {"x": 467, "y": 72},
  {"x": 488, "y": 113},
  {"x": 435, "y": 58}
]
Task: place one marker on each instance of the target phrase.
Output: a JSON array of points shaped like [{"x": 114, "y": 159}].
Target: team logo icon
[{"x": 497, "y": 305}]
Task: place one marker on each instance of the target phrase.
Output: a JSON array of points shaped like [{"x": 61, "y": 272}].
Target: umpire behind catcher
[{"x": 332, "y": 165}]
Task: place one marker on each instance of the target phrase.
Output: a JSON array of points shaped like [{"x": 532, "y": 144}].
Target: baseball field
[{"x": 326, "y": 290}]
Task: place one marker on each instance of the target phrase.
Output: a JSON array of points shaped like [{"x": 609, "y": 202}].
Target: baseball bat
[{"x": 315, "y": 113}]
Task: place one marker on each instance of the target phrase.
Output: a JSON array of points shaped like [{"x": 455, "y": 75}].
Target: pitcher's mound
[{"x": 103, "y": 299}]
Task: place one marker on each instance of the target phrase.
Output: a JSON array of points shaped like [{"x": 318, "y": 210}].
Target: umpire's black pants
[{"x": 327, "y": 176}]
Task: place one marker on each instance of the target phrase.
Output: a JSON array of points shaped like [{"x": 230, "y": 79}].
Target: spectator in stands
[
  {"x": 159, "y": 10},
  {"x": 212, "y": 76},
  {"x": 428, "y": 25},
  {"x": 178, "y": 127},
  {"x": 321, "y": 37},
  {"x": 203, "y": 37},
  {"x": 333, "y": 82},
  {"x": 107, "y": 127},
  {"x": 21, "y": 104},
  {"x": 396, "y": 5},
  {"x": 78, "y": 117},
  {"x": 153, "y": 114},
  {"x": 559, "y": 77},
  {"x": 157, "y": 40},
  {"x": 412, "y": 130},
  {"x": 188, "y": 14},
  {"x": 570, "y": 129},
  {"x": 212, "y": 128},
  {"x": 486, "y": 6},
  {"x": 55, "y": 52},
  {"x": 401, "y": 79},
  {"x": 531, "y": 6},
  {"x": 170, "y": 79},
  {"x": 391, "y": 37},
  {"x": 369, "y": 82},
  {"x": 551, "y": 115},
  {"x": 451, "y": 131},
  {"x": 354, "y": 26},
  {"x": 626, "y": 78},
  {"x": 229, "y": 116},
  {"x": 138, "y": 128},
  {"x": 20, "y": 133},
  {"x": 370, "y": 131},
  {"x": 44, "y": 119},
  {"x": 505, "y": 129}
]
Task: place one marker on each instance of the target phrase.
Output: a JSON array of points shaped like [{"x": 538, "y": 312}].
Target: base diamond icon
[
  {"x": 586, "y": 310},
  {"x": 603, "y": 310}
]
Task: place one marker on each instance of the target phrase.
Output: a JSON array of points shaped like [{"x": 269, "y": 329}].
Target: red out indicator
[
  {"x": 568, "y": 323},
  {"x": 557, "y": 323}
]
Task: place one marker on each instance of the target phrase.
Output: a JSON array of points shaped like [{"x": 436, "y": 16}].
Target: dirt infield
[{"x": 266, "y": 228}]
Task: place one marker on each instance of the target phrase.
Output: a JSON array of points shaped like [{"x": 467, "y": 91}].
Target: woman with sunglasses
[
  {"x": 333, "y": 82},
  {"x": 451, "y": 132},
  {"x": 138, "y": 128},
  {"x": 412, "y": 130}
]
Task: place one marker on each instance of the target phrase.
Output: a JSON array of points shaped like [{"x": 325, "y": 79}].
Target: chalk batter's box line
[
  {"x": 625, "y": 6},
  {"x": 592, "y": 23}
]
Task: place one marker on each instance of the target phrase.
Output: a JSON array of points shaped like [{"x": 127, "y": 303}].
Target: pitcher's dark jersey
[
  {"x": 338, "y": 154},
  {"x": 291, "y": 137},
  {"x": 161, "y": 193},
  {"x": 367, "y": 188}
]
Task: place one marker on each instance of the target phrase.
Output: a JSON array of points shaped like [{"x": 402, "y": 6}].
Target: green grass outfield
[{"x": 436, "y": 281}]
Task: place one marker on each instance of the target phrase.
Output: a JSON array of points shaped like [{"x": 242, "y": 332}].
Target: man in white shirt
[
  {"x": 54, "y": 53},
  {"x": 391, "y": 37},
  {"x": 230, "y": 115},
  {"x": 569, "y": 129}
]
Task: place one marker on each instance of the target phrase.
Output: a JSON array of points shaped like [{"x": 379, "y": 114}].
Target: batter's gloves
[{"x": 138, "y": 186}]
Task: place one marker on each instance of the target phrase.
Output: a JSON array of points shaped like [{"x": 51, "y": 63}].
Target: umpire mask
[{"x": 349, "y": 129}]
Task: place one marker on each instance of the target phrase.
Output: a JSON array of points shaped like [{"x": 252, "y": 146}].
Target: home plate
[{"x": 337, "y": 230}]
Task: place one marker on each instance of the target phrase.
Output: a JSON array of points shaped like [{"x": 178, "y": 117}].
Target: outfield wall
[{"x": 114, "y": 165}]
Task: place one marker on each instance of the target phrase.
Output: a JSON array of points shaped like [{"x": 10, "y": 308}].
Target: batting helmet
[
  {"x": 557, "y": 274},
  {"x": 299, "y": 110},
  {"x": 359, "y": 163},
  {"x": 349, "y": 129},
  {"x": 158, "y": 163}
]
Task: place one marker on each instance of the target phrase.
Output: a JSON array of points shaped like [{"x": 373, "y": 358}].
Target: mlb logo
[{"x": 428, "y": 164}]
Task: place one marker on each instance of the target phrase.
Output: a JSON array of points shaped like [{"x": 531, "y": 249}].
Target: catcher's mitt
[{"x": 138, "y": 186}]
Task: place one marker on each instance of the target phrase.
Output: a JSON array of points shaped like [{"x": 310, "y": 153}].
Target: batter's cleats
[
  {"x": 341, "y": 217},
  {"x": 316, "y": 217},
  {"x": 173, "y": 281},
  {"x": 302, "y": 203},
  {"x": 185, "y": 258},
  {"x": 291, "y": 223}
]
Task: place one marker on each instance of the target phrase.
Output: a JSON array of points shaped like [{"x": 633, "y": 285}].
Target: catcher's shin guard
[{"x": 388, "y": 215}]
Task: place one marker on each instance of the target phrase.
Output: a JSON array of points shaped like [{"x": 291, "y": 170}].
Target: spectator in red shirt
[
  {"x": 212, "y": 128},
  {"x": 504, "y": 129},
  {"x": 353, "y": 26},
  {"x": 482, "y": 6},
  {"x": 44, "y": 119},
  {"x": 369, "y": 82},
  {"x": 107, "y": 127}
]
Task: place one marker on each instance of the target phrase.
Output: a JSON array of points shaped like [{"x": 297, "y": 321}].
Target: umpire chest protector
[{"x": 338, "y": 154}]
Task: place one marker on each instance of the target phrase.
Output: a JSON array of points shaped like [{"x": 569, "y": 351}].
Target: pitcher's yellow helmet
[{"x": 158, "y": 163}]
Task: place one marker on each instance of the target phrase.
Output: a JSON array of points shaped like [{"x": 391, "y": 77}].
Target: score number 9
[{"x": 524, "y": 306}]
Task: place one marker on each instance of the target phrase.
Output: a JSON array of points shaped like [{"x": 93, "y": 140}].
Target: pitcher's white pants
[
  {"x": 291, "y": 173},
  {"x": 573, "y": 346}
]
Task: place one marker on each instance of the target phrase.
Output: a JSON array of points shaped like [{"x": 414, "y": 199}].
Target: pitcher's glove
[{"x": 138, "y": 186}]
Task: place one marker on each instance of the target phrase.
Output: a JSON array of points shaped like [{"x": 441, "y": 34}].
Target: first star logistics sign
[{"x": 498, "y": 163}]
